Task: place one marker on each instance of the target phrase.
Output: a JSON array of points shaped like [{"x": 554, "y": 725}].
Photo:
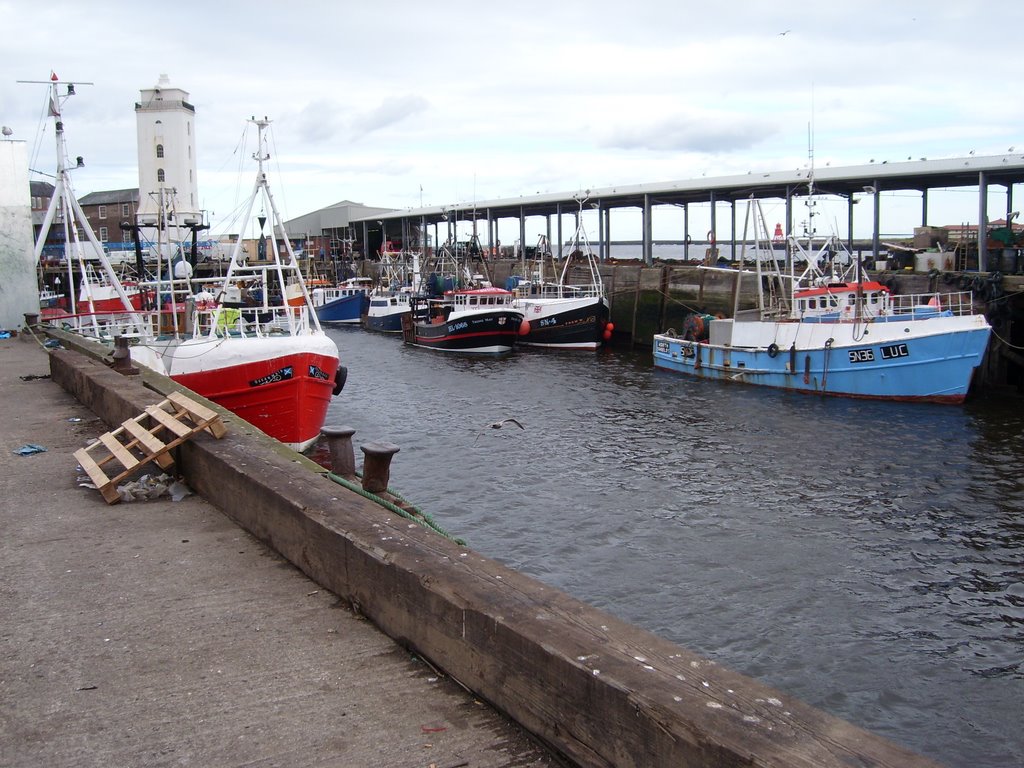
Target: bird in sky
[{"x": 785, "y": 33}]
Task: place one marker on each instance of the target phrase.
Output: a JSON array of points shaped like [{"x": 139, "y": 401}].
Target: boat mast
[
  {"x": 64, "y": 200},
  {"x": 262, "y": 188},
  {"x": 581, "y": 244}
]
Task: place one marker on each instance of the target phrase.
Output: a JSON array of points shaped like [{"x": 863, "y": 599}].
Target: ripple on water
[{"x": 865, "y": 557}]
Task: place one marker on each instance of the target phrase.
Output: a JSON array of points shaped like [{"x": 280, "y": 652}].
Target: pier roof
[{"x": 921, "y": 174}]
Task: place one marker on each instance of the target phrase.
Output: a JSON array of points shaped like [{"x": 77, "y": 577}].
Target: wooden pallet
[{"x": 147, "y": 437}]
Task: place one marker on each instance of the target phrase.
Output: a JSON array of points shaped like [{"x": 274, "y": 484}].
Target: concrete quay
[{"x": 174, "y": 634}]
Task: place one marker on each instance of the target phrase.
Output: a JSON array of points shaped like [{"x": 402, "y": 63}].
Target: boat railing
[
  {"x": 558, "y": 291},
  {"x": 956, "y": 303},
  {"x": 251, "y": 322},
  {"x": 584, "y": 291},
  {"x": 106, "y": 326},
  {"x": 773, "y": 312}
]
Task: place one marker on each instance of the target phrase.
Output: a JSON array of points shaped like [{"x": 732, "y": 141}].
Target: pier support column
[
  {"x": 339, "y": 443},
  {"x": 982, "y": 222},
  {"x": 648, "y": 229},
  {"x": 377, "y": 465}
]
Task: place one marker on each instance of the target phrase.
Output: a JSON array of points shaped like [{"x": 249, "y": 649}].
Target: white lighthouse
[{"x": 167, "y": 159}]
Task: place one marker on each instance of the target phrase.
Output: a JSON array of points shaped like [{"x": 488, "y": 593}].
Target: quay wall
[{"x": 597, "y": 690}]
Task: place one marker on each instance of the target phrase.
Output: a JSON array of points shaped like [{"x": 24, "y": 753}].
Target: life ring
[
  {"x": 711, "y": 237},
  {"x": 773, "y": 350}
]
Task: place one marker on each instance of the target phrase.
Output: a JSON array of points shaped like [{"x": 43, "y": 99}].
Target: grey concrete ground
[{"x": 157, "y": 633}]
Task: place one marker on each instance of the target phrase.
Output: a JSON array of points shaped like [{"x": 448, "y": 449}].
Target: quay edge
[{"x": 597, "y": 690}]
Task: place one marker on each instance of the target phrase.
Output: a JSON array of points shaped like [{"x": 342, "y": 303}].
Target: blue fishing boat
[
  {"x": 832, "y": 331},
  {"x": 343, "y": 303}
]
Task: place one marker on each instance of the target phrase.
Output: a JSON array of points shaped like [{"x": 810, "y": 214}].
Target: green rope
[{"x": 422, "y": 518}]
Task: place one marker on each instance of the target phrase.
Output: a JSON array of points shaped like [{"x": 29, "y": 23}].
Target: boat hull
[
  {"x": 345, "y": 309},
  {"x": 384, "y": 314},
  {"x": 565, "y": 323},
  {"x": 916, "y": 360},
  {"x": 487, "y": 333},
  {"x": 386, "y": 323},
  {"x": 283, "y": 386}
]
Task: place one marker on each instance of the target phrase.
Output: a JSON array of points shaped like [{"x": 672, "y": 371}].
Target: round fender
[
  {"x": 340, "y": 377},
  {"x": 773, "y": 350}
]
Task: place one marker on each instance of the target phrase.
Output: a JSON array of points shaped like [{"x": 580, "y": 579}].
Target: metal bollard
[
  {"x": 339, "y": 443},
  {"x": 123, "y": 357},
  {"x": 377, "y": 465},
  {"x": 31, "y": 319}
]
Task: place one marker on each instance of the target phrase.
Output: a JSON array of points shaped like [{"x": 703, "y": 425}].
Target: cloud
[
  {"x": 556, "y": 97},
  {"x": 392, "y": 110},
  {"x": 709, "y": 134},
  {"x": 319, "y": 121}
]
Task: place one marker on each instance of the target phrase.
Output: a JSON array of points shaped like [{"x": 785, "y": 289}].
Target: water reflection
[{"x": 863, "y": 556}]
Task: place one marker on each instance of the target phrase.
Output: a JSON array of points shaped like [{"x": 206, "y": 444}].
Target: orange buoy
[
  {"x": 524, "y": 327},
  {"x": 609, "y": 327}
]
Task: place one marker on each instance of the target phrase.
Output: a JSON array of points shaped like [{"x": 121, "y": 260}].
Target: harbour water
[{"x": 867, "y": 558}]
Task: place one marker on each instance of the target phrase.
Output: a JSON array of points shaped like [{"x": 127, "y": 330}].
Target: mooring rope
[{"x": 421, "y": 517}]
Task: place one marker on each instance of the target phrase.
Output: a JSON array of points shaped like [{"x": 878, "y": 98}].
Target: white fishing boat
[
  {"x": 565, "y": 313},
  {"x": 832, "y": 330},
  {"x": 249, "y": 341},
  {"x": 392, "y": 297}
]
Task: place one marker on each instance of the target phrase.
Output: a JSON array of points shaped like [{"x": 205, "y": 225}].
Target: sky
[{"x": 399, "y": 104}]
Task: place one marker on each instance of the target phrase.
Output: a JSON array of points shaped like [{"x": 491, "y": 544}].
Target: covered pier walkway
[{"x": 853, "y": 184}]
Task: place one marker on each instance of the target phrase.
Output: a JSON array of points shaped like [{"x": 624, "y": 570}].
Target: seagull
[
  {"x": 503, "y": 422},
  {"x": 784, "y": 33},
  {"x": 499, "y": 425}
]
